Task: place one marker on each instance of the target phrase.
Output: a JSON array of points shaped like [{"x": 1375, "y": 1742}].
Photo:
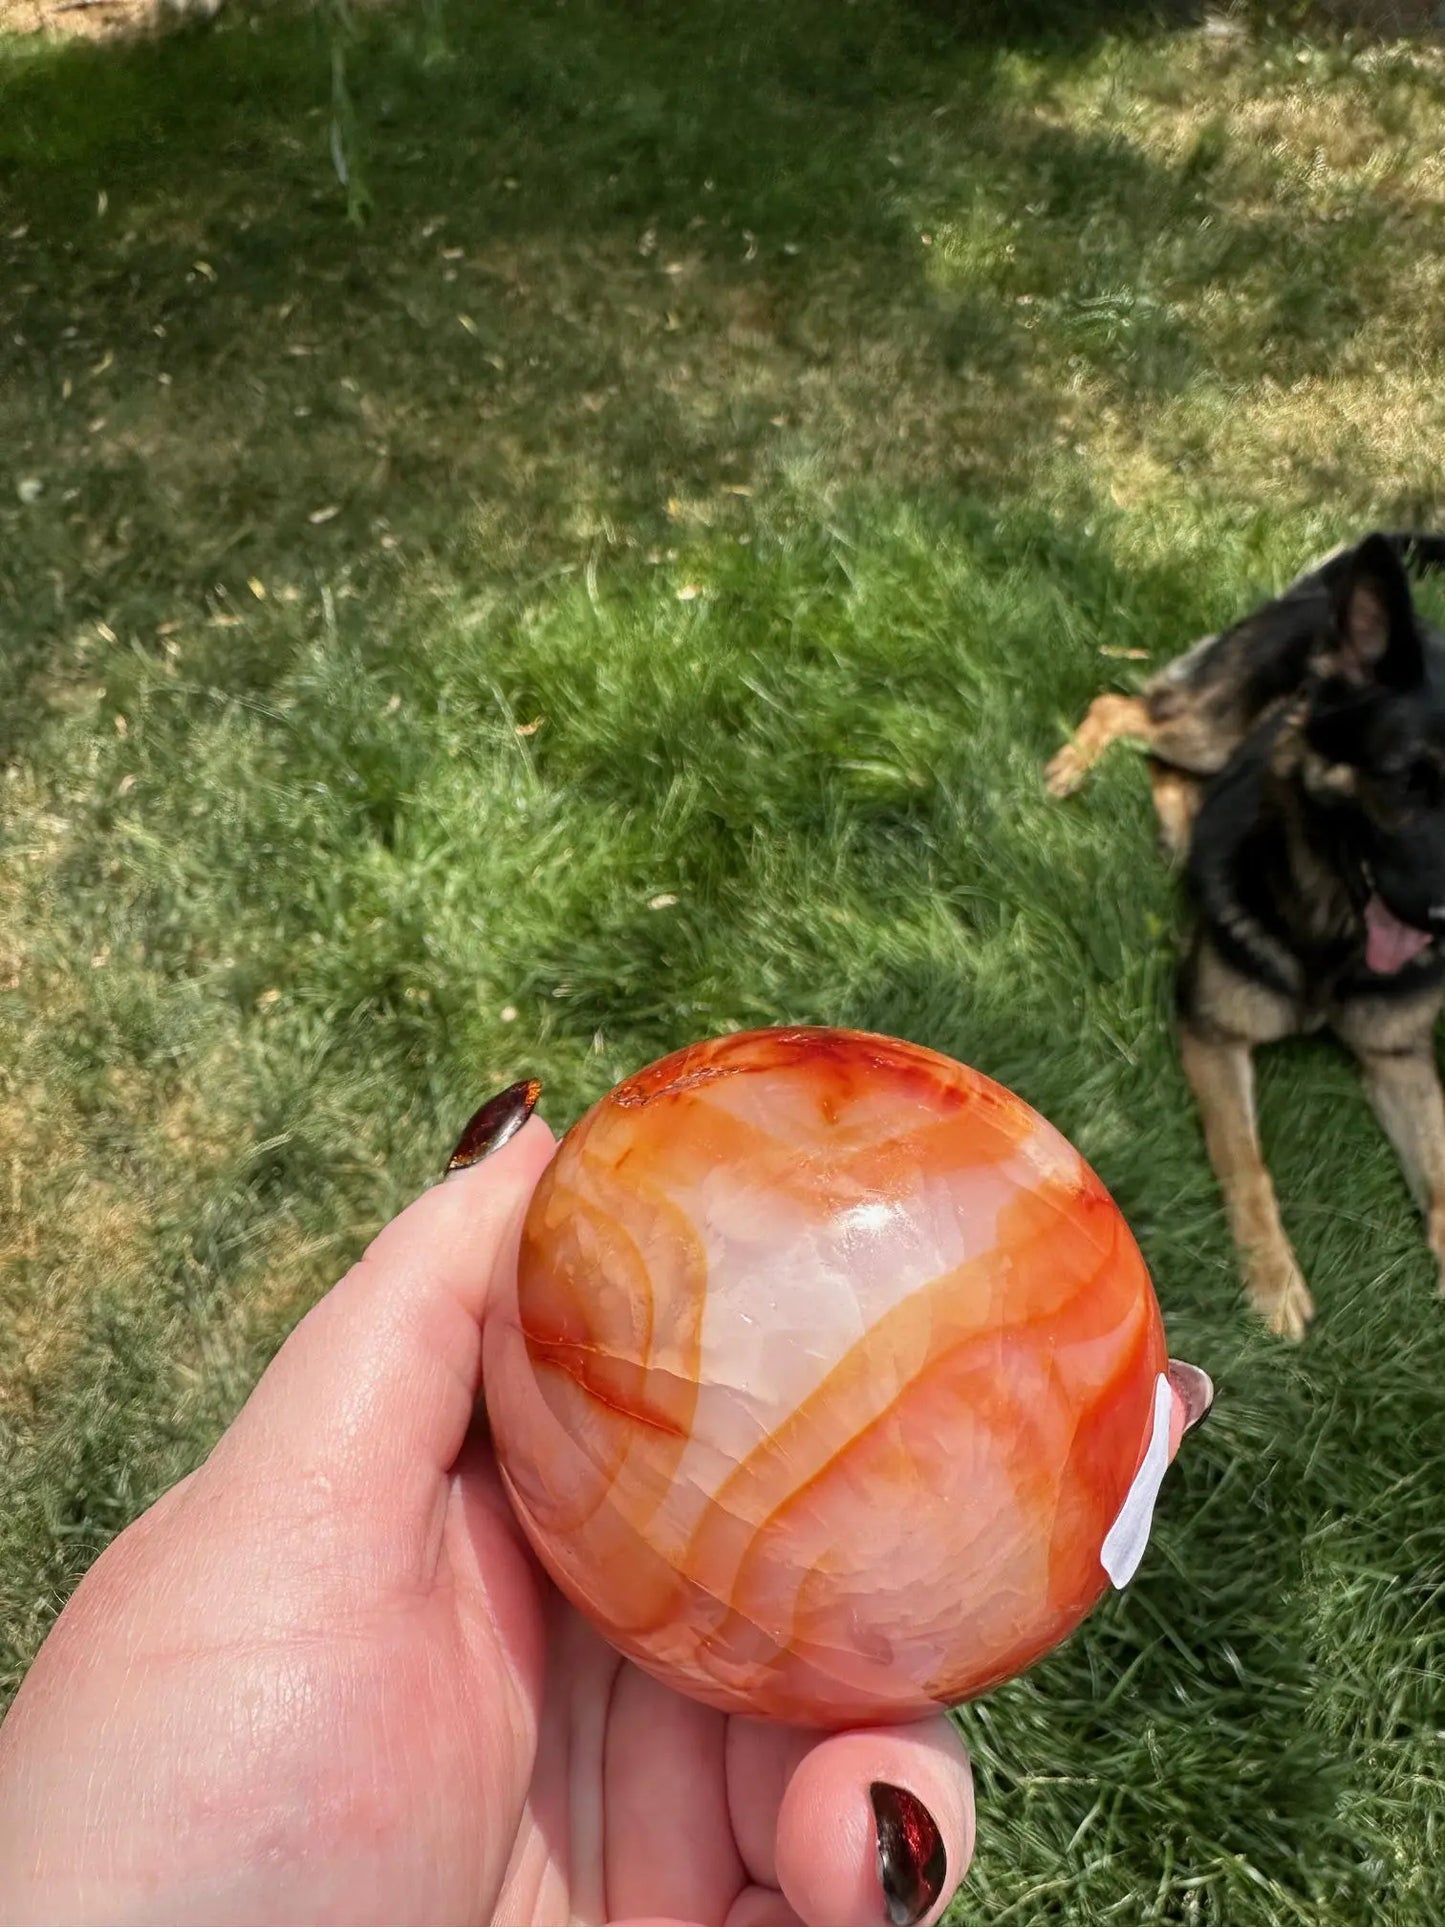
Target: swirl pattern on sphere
[{"x": 830, "y": 1366}]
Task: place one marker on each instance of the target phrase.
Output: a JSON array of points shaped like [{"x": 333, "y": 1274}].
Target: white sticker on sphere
[{"x": 1126, "y": 1539}]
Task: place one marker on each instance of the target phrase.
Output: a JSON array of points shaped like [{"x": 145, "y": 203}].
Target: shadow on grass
[
  {"x": 1053, "y": 23},
  {"x": 626, "y": 267}
]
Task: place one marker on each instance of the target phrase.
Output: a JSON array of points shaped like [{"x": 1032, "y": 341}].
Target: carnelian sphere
[{"x": 830, "y": 1366}]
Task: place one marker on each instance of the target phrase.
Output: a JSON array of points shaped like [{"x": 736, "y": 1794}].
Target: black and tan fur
[{"x": 1297, "y": 762}]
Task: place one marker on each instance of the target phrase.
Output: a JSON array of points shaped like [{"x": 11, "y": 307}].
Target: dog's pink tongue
[{"x": 1390, "y": 944}]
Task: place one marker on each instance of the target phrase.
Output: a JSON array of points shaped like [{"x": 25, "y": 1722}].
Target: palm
[{"x": 323, "y": 1679}]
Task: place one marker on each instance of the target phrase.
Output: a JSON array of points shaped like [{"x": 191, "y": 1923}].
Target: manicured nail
[
  {"x": 1195, "y": 1389},
  {"x": 912, "y": 1863},
  {"x": 499, "y": 1119}
]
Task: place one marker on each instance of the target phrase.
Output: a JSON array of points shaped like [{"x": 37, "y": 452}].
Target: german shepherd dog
[{"x": 1297, "y": 762}]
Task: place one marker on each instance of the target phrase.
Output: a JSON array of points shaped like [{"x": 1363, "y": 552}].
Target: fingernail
[
  {"x": 1195, "y": 1389},
  {"x": 912, "y": 1863},
  {"x": 499, "y": 1119}
]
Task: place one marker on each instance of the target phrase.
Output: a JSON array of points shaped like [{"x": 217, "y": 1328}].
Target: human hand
[{"x": 323, "y": 1679}]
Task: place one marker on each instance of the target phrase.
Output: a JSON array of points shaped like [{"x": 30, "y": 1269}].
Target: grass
[{"x": 627, "y": 589}]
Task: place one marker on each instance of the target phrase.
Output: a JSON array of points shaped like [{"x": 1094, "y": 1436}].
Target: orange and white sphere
[{"x": 831, "y": 1367}]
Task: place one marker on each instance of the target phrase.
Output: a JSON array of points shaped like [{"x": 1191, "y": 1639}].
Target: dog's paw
[
  {"x": 1281, "y": 1297},
  {"x": 1292, "y": 1316},
  {"x": 1435, "y": 1231},
  {"x": 1065, "y": 772}
]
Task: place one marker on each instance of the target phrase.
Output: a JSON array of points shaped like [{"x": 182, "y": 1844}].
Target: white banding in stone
[{"x": 1126, "y": 1539}]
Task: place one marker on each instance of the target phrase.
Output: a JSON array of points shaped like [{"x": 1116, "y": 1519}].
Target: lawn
[{"x": 626, "y": 587}]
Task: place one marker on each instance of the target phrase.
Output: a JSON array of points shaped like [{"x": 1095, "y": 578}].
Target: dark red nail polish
[
  {"x": 499, "y": 1119},
  {"x": 912, "y": 1862}
]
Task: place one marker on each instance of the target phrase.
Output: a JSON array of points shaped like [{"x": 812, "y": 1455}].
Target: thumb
[{"x": 372, "y": 1393}]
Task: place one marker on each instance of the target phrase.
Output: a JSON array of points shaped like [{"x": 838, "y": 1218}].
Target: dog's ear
[{"x": 1375, "y": 639}]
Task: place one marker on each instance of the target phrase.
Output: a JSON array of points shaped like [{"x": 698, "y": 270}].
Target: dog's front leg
[
  {"x": 1221, "y": 1074},
  {"x": 1404, "y": 1088},
  {"x": 1177, "y": 797}
]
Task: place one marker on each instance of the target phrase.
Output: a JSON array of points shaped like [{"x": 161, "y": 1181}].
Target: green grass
[{"x": 627, "y": 590}]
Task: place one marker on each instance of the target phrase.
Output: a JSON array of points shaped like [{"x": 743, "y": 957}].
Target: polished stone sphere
[{"x": 831, "y": 1367}]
